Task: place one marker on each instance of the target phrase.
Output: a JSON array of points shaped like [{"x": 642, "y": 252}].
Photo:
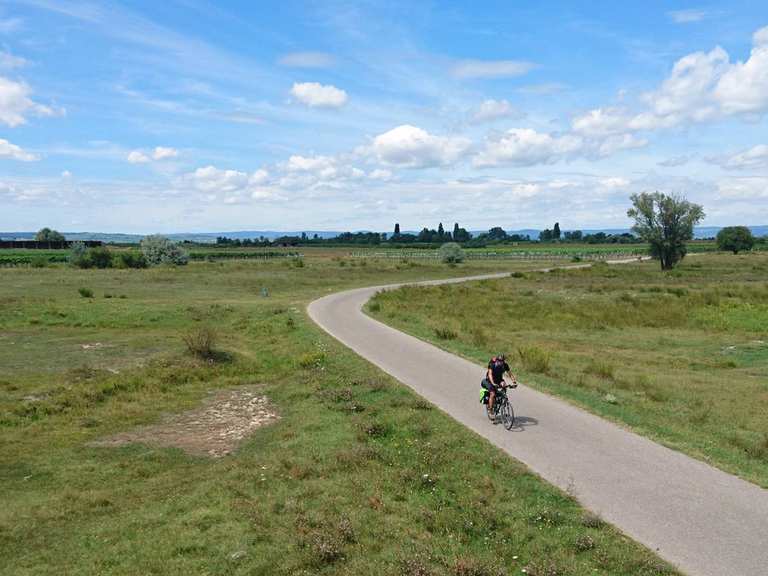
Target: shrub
[
  {"x": 78, "y": 255},
  {"x": 85, "y": 292},
  {"x": 160, "y": 250},
  {"x": 535, "y": 359},
  {"x": 99, "y": 257},
  {"x": 38, "y": 262},
  {"x": 48, "y": 235},
  {"x": 451, "y": 253},
  {"x": 201, "y": 342},
  {"x": 131, "y": 260}
]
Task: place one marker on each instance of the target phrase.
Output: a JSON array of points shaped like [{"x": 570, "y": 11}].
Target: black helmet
[{"x": 501, "y": 357}]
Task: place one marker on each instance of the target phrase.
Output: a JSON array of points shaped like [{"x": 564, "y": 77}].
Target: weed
[
  {"x": 374, "y": 306},
  {"x": 414, "y": 567},
  {"x": 326, "y": 548},
  {"x": 584, "y": 543},
  {"x": 535, "y": 359},
  {"x": 201, "y": 342},
  {"x": 592, "y": 520},
  {"x": 601, "y": 368},
  {"x": 85, "y": 292},
  {"x": 446, "y": 334}
]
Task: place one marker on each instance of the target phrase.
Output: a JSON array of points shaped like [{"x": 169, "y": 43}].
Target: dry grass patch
[{"x": 215, "y": 429}]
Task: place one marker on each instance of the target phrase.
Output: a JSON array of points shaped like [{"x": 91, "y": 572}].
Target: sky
[{"x": 195, "y": 115}]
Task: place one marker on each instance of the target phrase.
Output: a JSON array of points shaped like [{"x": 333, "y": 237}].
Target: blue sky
[{"x": 189, "y": 115}]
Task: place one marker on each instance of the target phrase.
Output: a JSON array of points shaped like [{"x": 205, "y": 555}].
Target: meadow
[
  {"x": 357, "y": 476},
  {"x": 681, "y": 357}
]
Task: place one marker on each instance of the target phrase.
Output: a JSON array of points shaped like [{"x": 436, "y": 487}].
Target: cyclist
[{"x": 494, "y": 378}]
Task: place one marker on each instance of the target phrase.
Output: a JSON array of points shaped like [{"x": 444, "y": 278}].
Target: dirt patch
[{"x": 215, "y": 429}]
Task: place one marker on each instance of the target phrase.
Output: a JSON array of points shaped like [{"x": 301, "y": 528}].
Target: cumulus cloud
[
  {"x": 8, "y": 150},
  {"x": 755, "y": 157},
  {"x": 491, "y": 110},
  {"x": 412, "y": 147},
  {"x": 701, "y": 87},
  {"x": 16, "y": 104},
  {"x": 232, "y": 186},
  {"x": 158, "y": 154},
  {"x": 381, "y": 174},
  {"x": 306, "y": 60},
  {"x": 163, "y": 153},
  {"x": 491, "y": 68},
  {"x": 137, "y": 157},
  {"x": 316, "y": 95},
  {"x": 526, "y": 147}
]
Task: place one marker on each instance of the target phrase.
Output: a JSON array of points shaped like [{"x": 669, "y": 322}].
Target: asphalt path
[{"x": 699, "y": 518}]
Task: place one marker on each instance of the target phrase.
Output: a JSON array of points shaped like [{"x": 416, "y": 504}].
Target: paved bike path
[{"x": 702, "y": 520}]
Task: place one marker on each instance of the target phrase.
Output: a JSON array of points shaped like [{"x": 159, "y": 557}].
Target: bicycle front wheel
[{"x": 507, "y": 415}]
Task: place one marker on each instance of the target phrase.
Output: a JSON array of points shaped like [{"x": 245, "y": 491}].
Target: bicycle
[{"x": 501, "y": 406}]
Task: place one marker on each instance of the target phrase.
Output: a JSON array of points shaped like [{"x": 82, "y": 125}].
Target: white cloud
[
  {"x": 743, "y": 188},
  {"x": 491, "y": 110},
  {"x": 687, "y": 16},
  {"x": 615, "y": 182},
  {"x": 703, "y": 86},
  {"x": 163, "y": 153},
  {"x": 491, "y": 68},
  {"x": 8, "y": 150},
  {"x": 544, "y": 89},
  {"x": 16, "y": 105},
  {"x": 211, "y": 179},
  {"x": 743, "y": 88},
  {"x": 306, "y": 60},
  {"x": 380, "y": 174},
  {"x": 318, "y": 95},
  {"x": 137, "y": 157},
  {"x": 675, "y": 161},
  {"x": 8, "y": 61},
  {"x": 755, "y": 157},
  {"x": 66, "y": 174},
  {"x": 413, "y": 147},
  {"x": 158, "y": 154},
  {"x": 527, "y": 147}
]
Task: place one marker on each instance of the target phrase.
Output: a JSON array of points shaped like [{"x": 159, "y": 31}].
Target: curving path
[{"x": 702, "y": 520}]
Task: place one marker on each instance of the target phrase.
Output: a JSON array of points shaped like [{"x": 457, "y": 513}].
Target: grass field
[
  {"x": 681, "y": 356},
  {"x": 358, "y": 476}
]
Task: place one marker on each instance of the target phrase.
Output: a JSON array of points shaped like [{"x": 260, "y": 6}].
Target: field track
[{"x": 702, "y": 520}]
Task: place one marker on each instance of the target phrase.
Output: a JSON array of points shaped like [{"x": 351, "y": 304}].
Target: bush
[
  {"x": 160, "y": 250},
  {"x": 85, "y": 292},
  {"x": 451, "y": 253},
  {"x": 99, "y": 257},
  {"x": 735, "y": 239},
  {"x": 130, "y": 260},
  {"x": 201, "y": 342},
  {"x": 445, "y": 333},
  {"x": 78, "y": 255}
]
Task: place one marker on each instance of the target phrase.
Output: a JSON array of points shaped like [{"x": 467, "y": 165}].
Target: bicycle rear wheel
[{"x": 507, "y": 415}]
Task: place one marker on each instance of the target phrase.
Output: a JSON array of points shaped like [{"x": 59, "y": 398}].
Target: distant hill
[{"x": 210, "y": 237}]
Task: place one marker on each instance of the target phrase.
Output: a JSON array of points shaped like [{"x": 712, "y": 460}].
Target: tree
[
  {"x": 397, "y": 229},
  {"x": 460, "y": 234},
  {"x": 573, "y": 236},
  {"x": 160, "y": 250},
  {"x": 497, "y": 233},
  {"x": 556, "y": 231},
  {"x": 440, "y": 231},
  {"x": 48, "y": 235},
  {"x": 545, "y": 235},
  {"x": 666, "y": 222},
  {"x": 451, "y": 253},
  {"x": 735, "y": 239}
]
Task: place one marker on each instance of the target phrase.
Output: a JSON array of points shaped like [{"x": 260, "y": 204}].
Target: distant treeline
[{"x": 429, "y": 237}]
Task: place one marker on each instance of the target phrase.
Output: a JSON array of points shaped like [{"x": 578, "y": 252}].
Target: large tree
[
  {"x": 666, "y": 222},
  {"x": 735, "y": 239},
  {"x": 556, "y": 231}
]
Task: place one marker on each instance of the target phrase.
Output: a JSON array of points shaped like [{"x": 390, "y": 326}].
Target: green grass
[
  {"x": 359, "y": 476},
  {"x": 682, "y": 356}
]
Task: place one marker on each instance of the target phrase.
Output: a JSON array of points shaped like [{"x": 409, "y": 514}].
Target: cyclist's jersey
[{"x": 498, "y": 368}]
